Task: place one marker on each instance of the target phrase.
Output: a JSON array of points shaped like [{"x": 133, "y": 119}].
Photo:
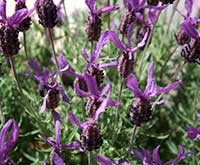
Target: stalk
[
  {"x": 92, "y": 47},
  {"x": 15, "y": 75},
  {"x": 89, "y": 157},
  {"x": 133, "y": 137},
  {"x": 117, "y": 113},
  {"x": 54, "y": 52},
  {"x": 169, "y": 24},
  {"x": 169, "y": 57},
  {"x": 148, "y": 42},
  {"x": 108, "y": 4},
  {"x": 65, "y": 11},
  {"x": 25, "y": 46}
]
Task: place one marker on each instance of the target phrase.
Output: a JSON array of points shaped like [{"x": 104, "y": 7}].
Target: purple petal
[
  {"x": 105, "y": 89},
  {"x": 80, "y": 92},
  {"x": 103, "y": 160},
  {"x": 181, "y": 155},
  {"x": 108, "y": 65},
  {"x": 168, "y": 88},
  {"x": 188, "y": 6},
  {"x": 189, "y": 29},
  {"x": 64, "y": 96},
  {"x": 18, "y": 17},
  {"x": 35, "y": 66},
  {"x": 84, "y": 54},
  {"x": 130, "y": 28},
  {"x": 43, "y": 107},
  {"x": 57, "y": 159},
  {"x": 62, "y": 62},
  {"x": 102, "y": 41},
  {"x": 107, "y": 9},
  {"x": 5, "y": 148},
  {"x": 156, "y": 156},
  {"x": 113, "y": 103},
  {"x": 91, "y": 84},
  {"x": 56, "y": 118},
  {"x": 152, "y": 15},
  {"x": 101, "y": 109},
  {"x": 74, "y": 145},
  {"x": 113, "y": 36},
  {"x": 138, "y": 154},
  {"x": 74, "y": 120},
  {"x": 193, "y": 133},
  {"x": 198, "y": 116},
  {"x": 143, "y": 42},
  {"x": 150, "y": 78},
  {"x": 131, "y": 5},
  {"x": 133, "y": 86},
  {"x": 3, "y": 11},
  {"x": 92, "y": 5}
]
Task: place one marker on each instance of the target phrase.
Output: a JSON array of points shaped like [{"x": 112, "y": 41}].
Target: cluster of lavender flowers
[{"x": 94, "y": 84}]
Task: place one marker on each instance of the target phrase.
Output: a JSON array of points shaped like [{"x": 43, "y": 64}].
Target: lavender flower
[
  {"x": 25, "y": 24},
  {"x": 9, "y": 43},
  {"x": 126, "y": 61},
  {"x": 58, "y": 147},
  {"x": 147, "y": 159},
  {"x": 8, "y": 142},
  {"x": 192, "y": 132},
  {"x": 92, "y": 68},
  {"x": 135, "y": 14},
  {"x": 50, "y": 90},
  {"x": 93, "y": 28},
  {"x": 91, "y": 138},
  {"x": 95, "y": 96},
  {"x": 141, "y": 109}
]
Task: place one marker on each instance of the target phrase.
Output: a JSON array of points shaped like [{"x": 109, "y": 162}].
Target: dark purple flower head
[
  {"x": 192, "y": 132},
  {"x": 14, "y": 20},
  {"x": 151, "y": 90},
  {"x": 7, "y": 142},
  {"x": 50, "y": 90},
  {"x": 148, "y": 159}
]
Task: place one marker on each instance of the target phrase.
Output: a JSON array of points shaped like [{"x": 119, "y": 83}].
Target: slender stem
[
  {"x": 169, "y": 24},
  {"x": 89, "y": 157},
  {"x": 65, "y": 11},
  {"x": 148, "y": 41},
  {"x": 108, "y": 16},
  {"x": 54, "y": 52},
  {"x": 15, "y": 75},
  {"x": 172, "y": 15},
  {"x": 25, "y": 46},
  {"x": 117, "y": 113},
  {"x": 92, "y": 47},
  {"x": 133, "y": 136},
  {"x": 167, "y": 60}
]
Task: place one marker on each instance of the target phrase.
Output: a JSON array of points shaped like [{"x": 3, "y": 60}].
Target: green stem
[
  {"x": 15, "y": 75},
  {"x": 25, "y": 46},
  {"x": 169, "y": 24},
  {"x": 65, "y": 11},
  {"x": 117, "y": 113},
  {"x": 169, "y": 57},
  {"x": 133, "y": 137},
  {"x": 148, "y": 41},
  {"x": 89, "y": 157},
  {"x": 54, "y": 53},
  {"x": 108, "y": 15}
]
